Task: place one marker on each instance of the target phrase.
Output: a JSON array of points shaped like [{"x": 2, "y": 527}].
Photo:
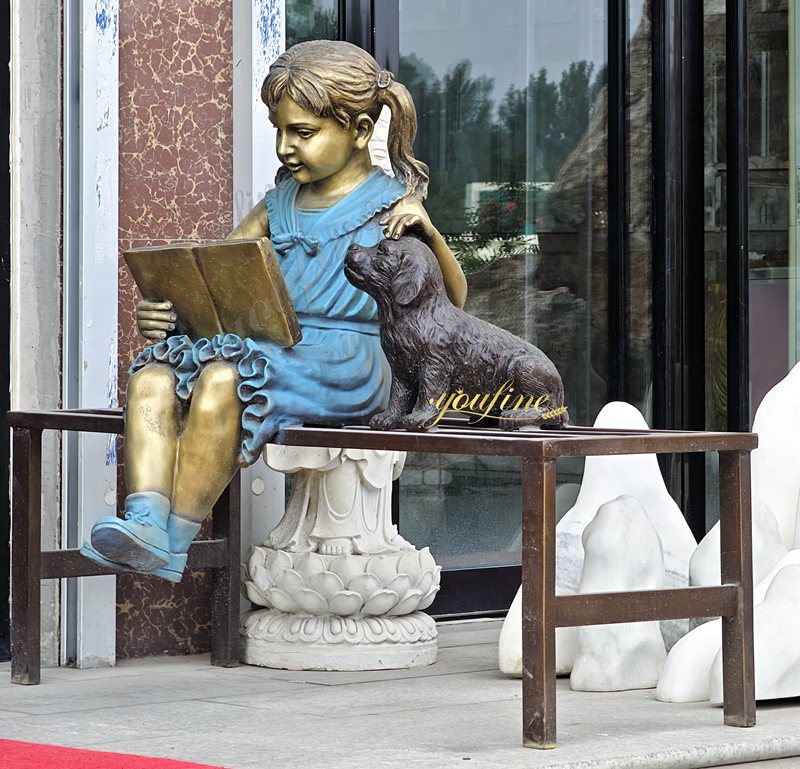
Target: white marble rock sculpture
[
  {"x": 775, "y": 464},
  {"x": 622, "y": 552},
  {"x": 685, "y": 677},
  {"x": 776, "y": 528},
  {"x": 775, "y": 472},
  {"x": 796, "y": 543},
  {"x": 604, "y": 479},
  {"x": 768, "y": 549},
  {"x": 776, "y": 630}
]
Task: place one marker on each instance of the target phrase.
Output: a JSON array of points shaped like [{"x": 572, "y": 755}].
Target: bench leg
[
  {"x": 738, "y": 674},
  {"x": 26, "y": 550},
  {"x": 538, "y": 603},
  {"x": 225, "y": 581}
]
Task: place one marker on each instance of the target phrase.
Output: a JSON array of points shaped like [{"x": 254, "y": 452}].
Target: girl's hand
[
  {"x": 155, "y": 320},
  {"x": 408, "y": 214}
]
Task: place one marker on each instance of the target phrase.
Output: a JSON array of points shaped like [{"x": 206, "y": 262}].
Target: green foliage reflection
[{"x": 492, "y": 164}]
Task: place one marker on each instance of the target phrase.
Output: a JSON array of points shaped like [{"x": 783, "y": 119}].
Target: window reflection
[
  {"x": 773, "y": 345},
  {"x": 512, "y": 107},
  {"x": 311, "y": 20},
  {"x": 516, "y": 165}
]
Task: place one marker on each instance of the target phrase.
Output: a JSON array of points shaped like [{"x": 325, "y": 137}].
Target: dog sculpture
[{"x": 440, "y": 355}]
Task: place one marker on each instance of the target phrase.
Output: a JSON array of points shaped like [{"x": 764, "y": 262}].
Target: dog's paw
[
  {"x": 519, "y": 418},
  {"x": 418, "y": 423},
  {"x": 386, "y": 420}
]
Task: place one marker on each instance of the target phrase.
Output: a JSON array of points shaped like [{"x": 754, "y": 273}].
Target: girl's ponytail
[{"x": 402, "y": 130}]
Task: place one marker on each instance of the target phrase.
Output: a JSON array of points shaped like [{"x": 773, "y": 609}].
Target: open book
[{"x": 219, "y": 287}]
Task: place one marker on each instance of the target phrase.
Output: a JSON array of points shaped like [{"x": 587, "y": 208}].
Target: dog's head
[{"x": 395, "y": 271}]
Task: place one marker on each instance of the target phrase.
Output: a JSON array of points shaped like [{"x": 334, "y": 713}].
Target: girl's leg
[
  {"x": 209, "y": 447},
  {"x": 163, "y": 515},
  {"x": 152, "y": 424}
]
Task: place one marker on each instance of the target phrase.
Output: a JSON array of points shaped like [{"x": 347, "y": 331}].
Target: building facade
[{"x": 617, "y": 177}]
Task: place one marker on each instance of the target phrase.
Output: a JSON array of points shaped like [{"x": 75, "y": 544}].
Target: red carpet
[{"x": 26, "y": 755}]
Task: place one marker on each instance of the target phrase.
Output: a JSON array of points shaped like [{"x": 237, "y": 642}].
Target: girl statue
[{"x": 198, "y": 409}]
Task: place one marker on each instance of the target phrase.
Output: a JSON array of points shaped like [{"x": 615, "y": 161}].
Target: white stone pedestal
[
  {"x": 274, "y": 639},
  {"x": 345, "y": 612},
  {"x": 342, "y": 590}
]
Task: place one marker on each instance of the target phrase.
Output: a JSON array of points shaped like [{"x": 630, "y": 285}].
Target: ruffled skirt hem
[{"x": 187, "y": 359}]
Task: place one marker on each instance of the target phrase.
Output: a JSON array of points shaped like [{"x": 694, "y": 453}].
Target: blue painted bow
[{"x": 285, "y": 240}]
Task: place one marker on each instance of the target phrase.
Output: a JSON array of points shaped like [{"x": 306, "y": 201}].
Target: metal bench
[
  {"x": 30, "y": 564},
  {"x": 543, "y": 611}
]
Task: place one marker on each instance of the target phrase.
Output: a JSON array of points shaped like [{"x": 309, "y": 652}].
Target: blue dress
[{"x": 337, "y": 374}]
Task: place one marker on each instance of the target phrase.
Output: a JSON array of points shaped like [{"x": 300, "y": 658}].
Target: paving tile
[
  {"x": 57, "y": 694},
  {"x": 136, "y": 723},
  {"x": 460, "y": 712},
  {"x": 487, "y": 735},
  {"x": 370, "y": 698},
  {"x": 4, "y": 714},
  {"x": 450, "y": 660},
  {"x": 469, "y": 633}
]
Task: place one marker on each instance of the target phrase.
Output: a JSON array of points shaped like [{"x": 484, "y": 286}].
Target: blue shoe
[
  {"x": 140, "y": 541},
  {"x": 181, "y": 533}
]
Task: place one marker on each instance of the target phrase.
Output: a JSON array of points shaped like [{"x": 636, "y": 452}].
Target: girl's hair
[{"x": 341, "y": 81}]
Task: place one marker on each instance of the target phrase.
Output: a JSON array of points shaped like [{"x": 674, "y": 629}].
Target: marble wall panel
[{"x": 176, "y": 169}]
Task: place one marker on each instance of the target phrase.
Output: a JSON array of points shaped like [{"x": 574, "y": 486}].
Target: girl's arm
[
  {"x": 254, "y": 225},
  {"x": 409, "y": 213}
]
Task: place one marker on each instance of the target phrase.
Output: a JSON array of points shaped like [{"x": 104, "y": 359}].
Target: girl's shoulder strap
[
  {"x": 373, "y": 196},
  {"x": 279, "y": 201}
]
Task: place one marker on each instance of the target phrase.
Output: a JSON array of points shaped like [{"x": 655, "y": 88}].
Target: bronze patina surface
[
  {"x": 219, "y": 287},
  {"x": 323, "y": 99},
  {"x": 441, "y": 355}
]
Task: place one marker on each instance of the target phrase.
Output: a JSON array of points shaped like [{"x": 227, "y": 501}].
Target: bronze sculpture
[
  {"x": 198, "y": 409},
  {"x": 440, "y": 355}
]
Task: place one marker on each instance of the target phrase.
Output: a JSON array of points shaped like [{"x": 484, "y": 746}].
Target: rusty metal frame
[
  {"x": 30, "y": 564},
  {"x": 543, "y": 611}
]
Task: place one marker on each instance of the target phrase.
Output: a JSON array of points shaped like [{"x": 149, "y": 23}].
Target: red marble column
[{"x": 176, "y": 162}]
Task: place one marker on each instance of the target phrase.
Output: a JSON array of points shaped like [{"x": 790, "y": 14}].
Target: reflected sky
[
  {"x": 504, "y": 39},
  {"x": 531, "y": 34}
]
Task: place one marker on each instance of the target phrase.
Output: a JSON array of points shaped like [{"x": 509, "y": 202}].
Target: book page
[
  {"x": 250, "y": 294},
  {"x": 171, "y": 272}
]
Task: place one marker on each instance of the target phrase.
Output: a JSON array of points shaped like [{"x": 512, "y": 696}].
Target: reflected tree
[
  {"x": 310, "y": 20},
  {"x": 491, "y": 162}
]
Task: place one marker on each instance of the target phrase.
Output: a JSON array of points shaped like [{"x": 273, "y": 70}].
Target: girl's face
[{"x": 313, "y": 148}]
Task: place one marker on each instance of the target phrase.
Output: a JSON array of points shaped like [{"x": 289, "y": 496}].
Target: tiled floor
[{"x": 459, "y": 710}]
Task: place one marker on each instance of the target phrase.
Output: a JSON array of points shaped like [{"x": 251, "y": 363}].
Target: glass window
[
  {"x": 311, "y": 20},
  {"x": 772, "y": 217},
  {"x": 512, "y": 106},
  {"x": 772, "y": 248},
  {"x": 639, "y": 196}
]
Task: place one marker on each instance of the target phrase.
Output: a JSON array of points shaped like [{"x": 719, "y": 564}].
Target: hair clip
[{"x": 384, "y": 78}]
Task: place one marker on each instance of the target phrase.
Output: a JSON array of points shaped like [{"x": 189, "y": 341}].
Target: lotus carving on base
[{"x": 389, "y": 584}]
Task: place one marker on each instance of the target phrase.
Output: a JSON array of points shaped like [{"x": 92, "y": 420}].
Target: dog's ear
[{"x": 408, "y": 280}]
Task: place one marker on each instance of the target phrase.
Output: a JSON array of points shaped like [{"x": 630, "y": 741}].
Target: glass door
[
  {"x": 512, "y": 107},
  {"x": 772, "y": 220},
  {"x": 535, "y": 120},
  {"x": 5, "y": 333}
]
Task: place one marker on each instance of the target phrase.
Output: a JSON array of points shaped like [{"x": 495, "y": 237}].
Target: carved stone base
[{"x": 271, "y": 638}]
